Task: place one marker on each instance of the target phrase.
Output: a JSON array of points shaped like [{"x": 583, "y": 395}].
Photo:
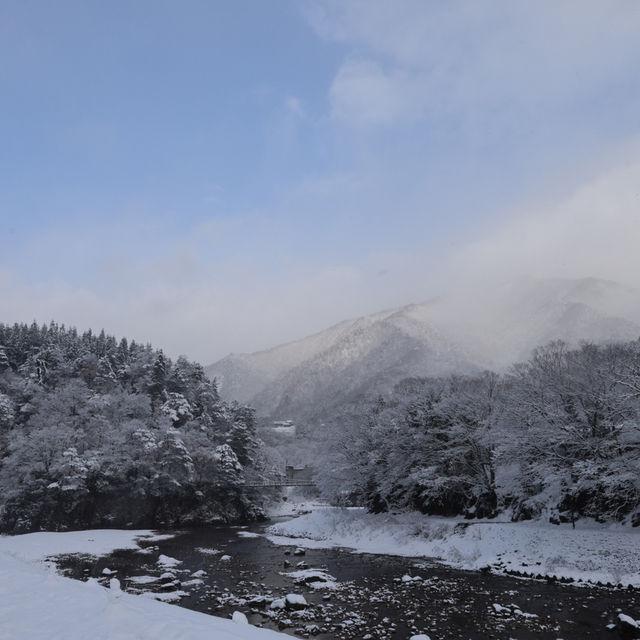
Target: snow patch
[
  {"x": 168, "y": 561},
  {"x": 295, "y": 601},
  {"x": 314, "y": 578},
  {"x": 239, "y": 618},
  {"x": 143, "y": 579},
  {"x": 623, "y": 617},
  {"x": 98, "y": 542},
  {"x": 208, "y": 552}
]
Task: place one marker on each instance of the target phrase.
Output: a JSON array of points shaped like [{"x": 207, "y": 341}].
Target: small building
[
  {"x": 284, "y": 427},
  {"x": 299, "y": 474}
]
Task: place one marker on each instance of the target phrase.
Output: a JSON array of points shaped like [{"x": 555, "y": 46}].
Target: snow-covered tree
[
  {"x": 99, "y": 433},
  {"x": 558, "y": 436}
]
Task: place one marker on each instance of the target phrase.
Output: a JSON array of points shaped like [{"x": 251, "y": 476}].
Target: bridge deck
[{"x": 290, "y": 483}]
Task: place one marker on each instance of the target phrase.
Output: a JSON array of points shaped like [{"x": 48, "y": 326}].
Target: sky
[{"x": 224, "y": 176}]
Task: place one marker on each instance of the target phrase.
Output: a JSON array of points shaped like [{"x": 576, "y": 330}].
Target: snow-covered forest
[
  {"x": 100, "y": 433},
  {"x": 95, "y": 433},
  {"x": 557, "y": 437}
]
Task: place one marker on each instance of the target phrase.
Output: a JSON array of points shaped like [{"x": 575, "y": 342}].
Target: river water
[{"x": 237, "y": 569}]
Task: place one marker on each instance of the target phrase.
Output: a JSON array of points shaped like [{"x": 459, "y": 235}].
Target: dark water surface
[{"x": 370, "y": 601}]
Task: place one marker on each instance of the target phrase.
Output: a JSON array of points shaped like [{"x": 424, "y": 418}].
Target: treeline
[
  {"x": 96, "y": 432},
  {"x": 557, "y": 437}
]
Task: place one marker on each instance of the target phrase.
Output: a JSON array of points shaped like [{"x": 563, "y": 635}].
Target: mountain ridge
[{"x": 308, "y": 378}]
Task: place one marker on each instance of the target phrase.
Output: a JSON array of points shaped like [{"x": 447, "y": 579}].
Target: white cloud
[
  {"x": 294, "y": 106},
  {"x": 184, "y": 301},
  {"x": 469, "y": 57},
  {"x": 204, "y": 309},
  {"x": 363, "y": 93},
  {"x": 593, "y": 232}
]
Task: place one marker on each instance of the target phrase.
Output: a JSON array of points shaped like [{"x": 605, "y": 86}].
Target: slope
[{"x": 459, "y": 333}]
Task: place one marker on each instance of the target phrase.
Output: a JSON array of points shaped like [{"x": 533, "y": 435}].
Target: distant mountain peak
[{"x": 308, "y": 378}]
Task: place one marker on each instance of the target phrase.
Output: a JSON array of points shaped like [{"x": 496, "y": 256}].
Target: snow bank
[
  {"x": 606, "y": 553},
  {"x": 34, "y": 547},
  {"x": 38, "y": 604}
]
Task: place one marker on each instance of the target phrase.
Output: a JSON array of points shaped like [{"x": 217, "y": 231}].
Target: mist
[{"x": 189, "y": 306}]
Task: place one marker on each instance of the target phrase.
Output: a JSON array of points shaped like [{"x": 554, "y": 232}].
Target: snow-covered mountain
[
  {"x": 311, "y": 376},
  {"x": 461, "y": 333}
]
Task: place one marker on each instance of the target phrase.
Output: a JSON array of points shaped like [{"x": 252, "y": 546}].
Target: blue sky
[{"x": 224, "y": 176}]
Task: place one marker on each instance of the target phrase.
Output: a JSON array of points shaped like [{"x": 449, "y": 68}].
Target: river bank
[
  {"x": 590, "y": 553},
  {"x": 37, "y": 604},
  {"x": 348, "y": 596},
  {"x": 236, "y": 572}
]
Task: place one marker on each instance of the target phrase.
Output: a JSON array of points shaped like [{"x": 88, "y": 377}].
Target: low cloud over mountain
[{"x": 309, "y": 378}]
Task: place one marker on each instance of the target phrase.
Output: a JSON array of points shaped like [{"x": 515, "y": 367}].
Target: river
[{"x": 237, "y": 569}]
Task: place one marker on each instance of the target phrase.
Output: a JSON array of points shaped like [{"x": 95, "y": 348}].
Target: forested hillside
[
  {"x": 95, "y": 433},
  {"x": 557, "y": 437}
]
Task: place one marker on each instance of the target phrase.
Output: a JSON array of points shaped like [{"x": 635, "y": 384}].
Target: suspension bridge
[
  {"x": 279, "y": 483},
  {"x": 292, "y": 477}
]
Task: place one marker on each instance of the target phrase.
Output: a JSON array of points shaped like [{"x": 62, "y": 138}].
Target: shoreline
[
  {"x": 37, "y": 603},
  {"x": 589, "y": 555}
]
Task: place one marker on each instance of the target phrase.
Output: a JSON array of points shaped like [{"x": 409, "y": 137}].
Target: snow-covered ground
[
  {"x": 38, "y": 604},
  {"x": 606, "y": 553},
  {"x": 37, "y": 547}
]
